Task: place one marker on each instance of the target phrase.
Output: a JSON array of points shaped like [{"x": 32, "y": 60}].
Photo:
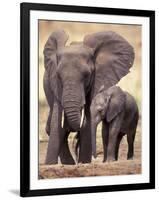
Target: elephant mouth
[{"x": 75, "y": 126}]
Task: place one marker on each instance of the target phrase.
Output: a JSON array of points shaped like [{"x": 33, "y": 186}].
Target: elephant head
[
  {"x": 79, "y": 70},
  {"x": 106, "y": 105}
]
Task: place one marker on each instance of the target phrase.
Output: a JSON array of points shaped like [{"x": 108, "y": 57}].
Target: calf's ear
[{"x": 116, "y": 105}]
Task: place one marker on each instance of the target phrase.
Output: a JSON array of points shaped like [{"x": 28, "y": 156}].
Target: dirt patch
[{"x": 93, "y": 169}]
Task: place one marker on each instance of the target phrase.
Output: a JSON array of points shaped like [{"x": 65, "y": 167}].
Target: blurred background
[{"x": 76, "y": 32}]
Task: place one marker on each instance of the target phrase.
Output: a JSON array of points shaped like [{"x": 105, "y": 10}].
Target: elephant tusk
[
  {"x": 62, "y": 119},
  {"x": 82, "y": 118}
]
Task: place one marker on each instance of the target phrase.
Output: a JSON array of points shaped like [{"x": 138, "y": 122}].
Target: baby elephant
[{"x": 119, "y": 113}]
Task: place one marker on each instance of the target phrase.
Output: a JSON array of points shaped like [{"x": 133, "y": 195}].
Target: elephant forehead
[
  {"x": 75, "y": 50},
  {"x": 114, "y": 90},
  {"x": 99, "y": 99}
]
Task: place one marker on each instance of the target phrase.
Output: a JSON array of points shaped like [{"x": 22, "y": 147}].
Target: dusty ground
[{"x": 97, "y": 167}]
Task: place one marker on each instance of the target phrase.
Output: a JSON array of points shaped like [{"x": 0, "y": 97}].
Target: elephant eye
[
  {"x": 87, "y": 60},
  {"x": 86, "y": 71},
  {"x": 60, "y": 80},
  {"x": 58, "y": 75},
  {"x": 86, "y": 75}
]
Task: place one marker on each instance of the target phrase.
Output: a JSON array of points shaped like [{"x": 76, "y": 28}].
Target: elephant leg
[
  {"x": 105, "y": 134},
  {"x": 50, "y": 99},
  {"x": 131, "y": 137},
  {"x": 54, "y": 139},
  {"x": 114, "y": 130},
  {"x": 119, "y": 138},
  {"x": 65, "y": 154},
  {"x": 48, "y": 93},
  {"x": 85, "y": 150},
  {"x": 47, "y": 128},
  {"x": 130, "y": 140},
  {"x": 111, "y": 144}
]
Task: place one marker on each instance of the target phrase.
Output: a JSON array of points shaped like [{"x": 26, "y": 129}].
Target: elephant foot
[
  {"x": 84, "y": 156},
  {"x": 65, "y": 156},
  {"x": 130, "y": 158},
  {"x": 51, "y": 162},
  {"x": 68, "y": 162},
  {"x": 110, "y": 159},
  {"x": 84, "y": 161}
]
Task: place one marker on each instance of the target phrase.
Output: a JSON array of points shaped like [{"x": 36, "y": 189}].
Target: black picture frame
[{"x": 25, "y": 9}]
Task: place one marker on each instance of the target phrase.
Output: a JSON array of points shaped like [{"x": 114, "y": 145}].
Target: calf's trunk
[{"x": 93, "y": 138}]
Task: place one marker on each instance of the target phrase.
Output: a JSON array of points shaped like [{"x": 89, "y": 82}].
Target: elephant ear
[
  {"x": 116, "y": 102},
  {"x": 55, "y": 41},
  {"x": 113, "y": 57}
]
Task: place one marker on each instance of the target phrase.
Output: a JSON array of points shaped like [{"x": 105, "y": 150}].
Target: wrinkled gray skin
[
  {"x": 73, "y": 75},
  {"x": 118, "y": 112}
]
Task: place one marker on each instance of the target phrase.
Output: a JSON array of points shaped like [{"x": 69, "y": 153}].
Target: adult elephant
[{"x": 73, "y": 76}]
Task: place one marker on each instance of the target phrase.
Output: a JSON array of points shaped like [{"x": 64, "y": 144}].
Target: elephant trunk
[
  {"x": 93, "y": 135},
  {"x": 73, "y": 109},
  {"x": 73, "y": 116}
]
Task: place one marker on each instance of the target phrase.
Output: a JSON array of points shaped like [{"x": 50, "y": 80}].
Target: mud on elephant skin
[
  {"x": 73, "y": 75},
  {"x": 119, "y": 113}
]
